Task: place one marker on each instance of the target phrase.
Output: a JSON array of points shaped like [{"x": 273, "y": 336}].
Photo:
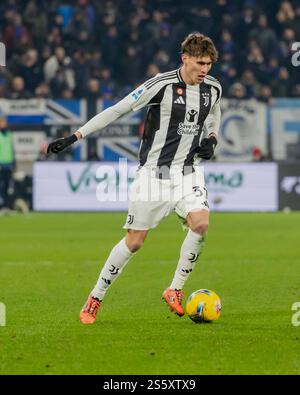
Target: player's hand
[
  {"x": 60, "y": 144},
  {"x": 207, "y": 148}
]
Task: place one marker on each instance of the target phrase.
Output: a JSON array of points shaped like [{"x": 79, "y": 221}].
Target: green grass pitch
[{"x": 50, "y": 262}]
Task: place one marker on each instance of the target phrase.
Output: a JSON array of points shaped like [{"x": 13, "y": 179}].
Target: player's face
[{"x": 196, "y": 68}]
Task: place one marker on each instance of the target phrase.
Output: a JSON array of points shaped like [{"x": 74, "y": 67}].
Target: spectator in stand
[
  {"x": 67, "y": 94},
  {"x": 59, "y": 83},
  {"x": 59, "y": 61},
  {"x": 237, "y": 91},
  {"x": 107, "y": 85},
  {"x": 285, "y": 15},
  {"x": 14, "y": 32},
  {"x": 250, "y": 83},
  {"x": 130, "y": 67},
  {"x": 296, "y": 91},
  {"x": 256, "y": 62},
  {"x": 81, "y": 71},
  {"x": 281, "y": 87},
  {"x": 229, "y": 76},
  {"x": 95, "y": 63},
  {"x": 17, "y": 90},
  {"x": 31, "y": 70},
  {"x": 84, "y": 36},
  {"x": 296, "y": 22},
  {"x": 7, "y": 161},
  {"x": 227, "y": 44},
  {"x": 93, "y": 89},
  {"x": 152, "y": 70},
  {"x": 265, "y": 36},
  {"x": 246, "y": 23},
  {"x": 42, "y": 91},
  {"x": 161, "y": 59},
  {"x": 265, "y": 94},
  {"x": 2, "y": 88},
  {"x": 285, "y": 44}
]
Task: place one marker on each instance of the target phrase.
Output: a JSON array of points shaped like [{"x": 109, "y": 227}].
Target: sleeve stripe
[
  {"x": 150, "y": 82},
  {"x": 216, "y": 85},
  {"x": 160, "y": 75},
  {"x": 163, "y": 77},
  {"x": 179, "y": 75},
  {"x": 209, "y": 77},
  {"x": 161, "y": 80}
]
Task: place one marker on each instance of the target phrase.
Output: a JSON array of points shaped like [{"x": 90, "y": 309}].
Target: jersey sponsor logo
[
  {"x": 190, "y": 116},
  {"x": 191, "y": 130},
  {"x": 179, "y": 100},
  {"x": 137, "y": 93}
]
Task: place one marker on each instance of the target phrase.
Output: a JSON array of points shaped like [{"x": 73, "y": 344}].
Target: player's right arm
[{"x": 136, "y": 100}]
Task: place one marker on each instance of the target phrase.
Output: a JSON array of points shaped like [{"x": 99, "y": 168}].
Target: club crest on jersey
[
  {"x": 130, "y": 219},
  {"x": 205, "y": 96}
]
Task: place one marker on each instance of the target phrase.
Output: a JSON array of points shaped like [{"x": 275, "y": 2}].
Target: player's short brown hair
[{"x": 197, "y": 44}]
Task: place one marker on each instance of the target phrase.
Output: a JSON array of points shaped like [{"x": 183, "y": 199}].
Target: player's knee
[
  {"x": 135, "y": 245},
  {"x": 200, "y": 227},
  {"x": 135, "y": 240}
]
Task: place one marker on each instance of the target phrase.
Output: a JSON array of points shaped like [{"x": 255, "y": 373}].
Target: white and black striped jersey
[
  {"x": 177, "y": 115},
  {"x": 175, "y": 118}
]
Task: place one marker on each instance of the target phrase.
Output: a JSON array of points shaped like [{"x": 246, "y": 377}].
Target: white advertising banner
[
  {"x": 81, "y": 186},
  {"x": 242, "y": 187},
  {"x": 103, "y": 186},
  {"x": 243, "y": 130}
]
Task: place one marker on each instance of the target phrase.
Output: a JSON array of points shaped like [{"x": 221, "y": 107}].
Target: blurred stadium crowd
[{"x": 102, "y": 49}]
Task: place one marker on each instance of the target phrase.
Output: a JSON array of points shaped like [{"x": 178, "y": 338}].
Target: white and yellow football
[{"x": 203, "y": 306}]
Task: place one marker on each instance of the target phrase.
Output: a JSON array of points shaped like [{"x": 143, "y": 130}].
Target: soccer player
[{"x": 181, "y": 126}]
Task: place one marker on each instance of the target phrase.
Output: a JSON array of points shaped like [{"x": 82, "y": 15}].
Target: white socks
[
  {"x": 190, "y": 250},
  {"x": 116, "y": 261},
  {"x": 120, "y": 255}
]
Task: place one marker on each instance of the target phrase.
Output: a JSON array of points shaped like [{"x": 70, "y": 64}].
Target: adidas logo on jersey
[{"x": 179, "y": 100}]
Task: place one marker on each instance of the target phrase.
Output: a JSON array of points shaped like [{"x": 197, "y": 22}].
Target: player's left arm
[{"x": 212, "y": 125}]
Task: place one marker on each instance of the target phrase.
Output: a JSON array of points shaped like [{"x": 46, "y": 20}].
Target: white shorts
[{"x": 151, "y": 199}]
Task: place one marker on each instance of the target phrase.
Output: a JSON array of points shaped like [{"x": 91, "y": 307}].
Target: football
[{"x": 203, "y": 306}]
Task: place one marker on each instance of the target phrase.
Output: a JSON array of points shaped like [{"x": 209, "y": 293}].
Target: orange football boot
[
  {"x": 174, "y": 299},
  {"x": 90, "y": 310}
]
